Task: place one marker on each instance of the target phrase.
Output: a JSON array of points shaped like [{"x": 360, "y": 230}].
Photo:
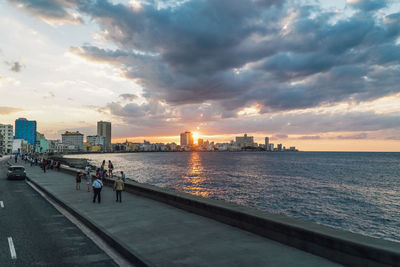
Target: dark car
[{"x": 16, "y": 173}]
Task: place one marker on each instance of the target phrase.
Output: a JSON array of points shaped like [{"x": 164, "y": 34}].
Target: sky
[{"x": 318, "y": 75}]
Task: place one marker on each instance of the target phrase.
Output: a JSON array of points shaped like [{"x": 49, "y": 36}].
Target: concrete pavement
[{"x": 161, "y": 235}]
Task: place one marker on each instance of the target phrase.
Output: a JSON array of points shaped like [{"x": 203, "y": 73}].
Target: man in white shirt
[{"x": 97, "y": 186}]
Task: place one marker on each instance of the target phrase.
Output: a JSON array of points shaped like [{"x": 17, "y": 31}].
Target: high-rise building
[
  {"x": 186, "y": 139},
  {"x": 26, "y": 130},
  {"x": 267, "y": 143},
  {"x": 6, "y": 131},
  {"x": 104, "y": 129},
  {"x": 280, "y": 147},
  {"x": 73, "y": 139},
  {"x": 244, "y": 141}
]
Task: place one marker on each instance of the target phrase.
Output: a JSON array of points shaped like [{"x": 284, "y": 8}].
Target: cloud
[
  {"x": 354, "y": 136},
  {"x": 4, "y": 110},
  {"x": 15, "y": 66},
  {"x": 204, "y": 61},
  {"x": 51, "y": 11},
  {"x": 368, "y": 5},
  {"x": 129, "y": 97},
  {"x": 310, "y": 137}
]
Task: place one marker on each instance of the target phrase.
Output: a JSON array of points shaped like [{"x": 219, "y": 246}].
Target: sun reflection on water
[{"x": 195, "y": 177}]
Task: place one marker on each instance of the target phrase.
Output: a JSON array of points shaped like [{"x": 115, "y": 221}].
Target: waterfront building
[
  {"x": 267, "y": 143},
  {"x": 22, "y": 146},
  {"x": 279, "y": 147},
  {"x": 1, "y": 144},
  {"x": 43, "y": 145},
  {"x": 186, "y": 139},
  {"x": 200, "y": 141},
  {"x": 271, "y": 147},
  {"x": 25, "y": 129},
  {"x": 104, "y": 129},
  {"x": 74, "y": 140},
  {"x": 97, "y": 140},
  {"x": 244, "y": 141},
  {"x": 6, "y": 131}
]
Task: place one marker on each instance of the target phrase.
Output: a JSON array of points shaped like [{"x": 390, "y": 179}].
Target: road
[{"x": 34, "y": 233}]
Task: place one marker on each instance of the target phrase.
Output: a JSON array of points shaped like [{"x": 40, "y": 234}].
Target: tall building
[
  {"x": 26, "y": 130},
  {"x": 6, "y": 131},
  {"x": 244, "y": 141},
  {"x": 73, "y": 139},
  {"x": 1, "y": 144},
  {"x": 267, "y": 143},
  {"x": 104, "y": 129},
  {"x": 186, "y": 139}
]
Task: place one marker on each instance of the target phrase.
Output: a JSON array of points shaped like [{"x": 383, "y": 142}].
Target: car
[{"x": 16, "y": 173}]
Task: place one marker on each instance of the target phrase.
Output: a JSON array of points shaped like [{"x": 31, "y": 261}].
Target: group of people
[
  {"x": 97, "y": 184},
  {"x": 43, "y": 163}
]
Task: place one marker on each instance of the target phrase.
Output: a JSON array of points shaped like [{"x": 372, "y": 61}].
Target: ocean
[{"x": 357, "y": 192}]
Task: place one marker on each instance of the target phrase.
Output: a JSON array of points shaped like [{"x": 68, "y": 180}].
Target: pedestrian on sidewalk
[
  {"x": 97, "y": 186},
  {"x": 88, "y": 177},
  {"x": 16, "y": 158},
  {"x": 118, "y": 187},
  {"x": 123, "y": 177},
  {"x": 44, "y": 165},
  {"x": 110, "y": 169},
  {"x": 102, "y": 167},
  {"x": 78, "y": 180}
]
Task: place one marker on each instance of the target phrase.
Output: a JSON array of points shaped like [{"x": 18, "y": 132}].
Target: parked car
[{"x": 16, "y": 173}]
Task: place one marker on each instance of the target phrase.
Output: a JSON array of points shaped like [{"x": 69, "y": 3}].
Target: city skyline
[{"x": 318, "y": 75}]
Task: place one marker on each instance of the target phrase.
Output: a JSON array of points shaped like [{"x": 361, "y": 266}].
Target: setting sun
[{"x": 195, "y": 137}]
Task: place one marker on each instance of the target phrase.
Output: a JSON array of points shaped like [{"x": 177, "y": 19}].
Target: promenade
[{"x": 162, "y": 235}]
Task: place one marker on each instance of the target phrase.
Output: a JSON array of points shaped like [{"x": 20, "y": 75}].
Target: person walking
[
  {"x": 118, "y": 187},
  {"x": 88, "y": 177},
  {"x": 110, "y": 169},
  {"x": 97, "y": 186},
  {"x": 78, "y": 180},
  {"x": 44, "y": 163}
]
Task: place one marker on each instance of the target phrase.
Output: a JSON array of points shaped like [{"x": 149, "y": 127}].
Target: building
[
  {"x": 267, "y": 143},
  {"x": 26, "y": 130},
  {"x": 244, "y": 141},
  {"x": 1, "y": 144},
  {"x": 104, "y": 129},
  {"x": 280, "y": 148},
  {"x": 74, "y": 140},
  {"x": 22, "y": 146},
  {"x": 97, "y": 140},
  {"x": 186, "y": 139},
  {"x": 200, "y": 141},
  {"x": 271, "y": 147},
  {"x": 6, "y": 131}
]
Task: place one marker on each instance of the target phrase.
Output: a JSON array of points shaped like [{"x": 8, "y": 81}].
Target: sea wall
[{"x": 340, "y": 246}]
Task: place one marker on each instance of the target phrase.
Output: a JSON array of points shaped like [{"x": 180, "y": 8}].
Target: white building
[
  {"x": 74, "y": 140},
  {"x": 6, "y": 130},
  {"x": 21, "y": 146},
  {"x": 96, "y": 140}
]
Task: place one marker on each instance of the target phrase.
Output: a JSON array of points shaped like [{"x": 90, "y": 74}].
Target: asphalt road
[{"x": 41, "y": 235}]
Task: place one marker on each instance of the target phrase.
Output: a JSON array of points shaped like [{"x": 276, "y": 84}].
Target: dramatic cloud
[
  {"x": 205, "y": 61},
  {"x": 8, "y": 110}
]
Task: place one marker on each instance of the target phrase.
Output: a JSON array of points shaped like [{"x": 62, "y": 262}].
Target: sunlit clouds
[{"x": 319, "y": 73}]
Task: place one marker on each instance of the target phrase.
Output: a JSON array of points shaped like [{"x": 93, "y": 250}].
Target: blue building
[{"x": 26, "y": 130}]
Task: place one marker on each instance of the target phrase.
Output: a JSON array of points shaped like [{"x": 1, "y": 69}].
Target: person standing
[
  {"x": 123, "y": 176},
  {"x": 88, "y": 177},
  {"x": 16, "y": 158},
  {"x": 118, "y": 187},
  {"x": 110, "y": 169},
  {"x": 78, "y": 180},
  {"x": 102, "y": 167},
  {"x": 97, "y": 186}
]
